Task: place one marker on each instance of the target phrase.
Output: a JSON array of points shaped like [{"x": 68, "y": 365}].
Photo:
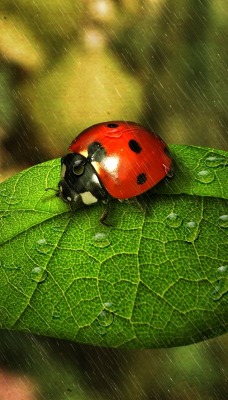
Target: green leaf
[{"x": 157, "y": 277}]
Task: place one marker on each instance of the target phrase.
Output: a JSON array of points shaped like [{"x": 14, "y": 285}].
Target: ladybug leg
[
  {"x": 171, "y": 174},
  {"x": 105, "y": 214}
]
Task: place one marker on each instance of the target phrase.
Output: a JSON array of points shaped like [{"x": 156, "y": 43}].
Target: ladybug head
[{"x": 79, "y": 181}]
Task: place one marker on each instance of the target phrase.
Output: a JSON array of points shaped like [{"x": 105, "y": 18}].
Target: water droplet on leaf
[
  {"x": 103, "y": 322},
  {"x": 41, "y": 241},
  {"x": 205, "y": 176},
  {"x": 216, "y": 160},
  {"x": 223, "y": 221},
  {"x": 220, "y": 287},
  {"x": 105, "y": 318},
  {"x": 56, "y": 315},
  {"x": 101, "y": 240},
  {"x": 191, "y": 231},
  {"x": 38, "y": 274},
  {"x": 110, "y": 306},
  {"x": 173, "y": 220},
  {"x": 42, "y": 246},
  {"x": 223, "y": 269}
]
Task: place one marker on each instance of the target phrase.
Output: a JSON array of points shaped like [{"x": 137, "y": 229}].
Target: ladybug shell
[{"x": 129, "y": 159}]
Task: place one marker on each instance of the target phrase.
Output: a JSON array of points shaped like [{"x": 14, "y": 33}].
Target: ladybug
[{"x": 116, "y": 159}]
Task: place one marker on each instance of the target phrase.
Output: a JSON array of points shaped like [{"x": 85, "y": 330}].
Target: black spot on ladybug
[
  {"x": 96, "y": 152},
  {"x": 134, "y": 146},
  {"x": 167, "y": 152},
  {"x": 112, "y": 125},
  {"x": 141, "y": 178}
]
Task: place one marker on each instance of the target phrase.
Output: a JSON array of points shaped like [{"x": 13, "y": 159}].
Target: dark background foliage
[{"x": 65, "y": 65}]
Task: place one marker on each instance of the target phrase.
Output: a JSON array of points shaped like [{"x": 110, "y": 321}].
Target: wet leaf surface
[{"x": 156, "y": 278}]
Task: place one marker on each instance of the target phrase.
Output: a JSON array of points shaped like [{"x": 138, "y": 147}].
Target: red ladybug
[{"x": 114, "y": 159}]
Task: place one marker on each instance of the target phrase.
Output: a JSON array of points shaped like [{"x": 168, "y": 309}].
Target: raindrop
[
  {"x": 109, "y": 306},
  {"x": 99, "y": 236},
  {"x": 105, "y": 318},
  {"x": 223, "y": 269},
  {"x": 221, "y": 284},
  {"x": 173, "y": 220},
  {"x": 191, "y": 231},
  {"x": 205, "y": 176},
  {"x": 56, "y": 315},
  {"x": 42, "y": 246},
  {"x": 223, "y": 221},
  {"x": 217, "y": 160},
  {"x": 101, "y": 330},
  {"x": 38, "y": 274},
  {"x": 101, "y": 240},
  {"x": 41, "y": 241}
]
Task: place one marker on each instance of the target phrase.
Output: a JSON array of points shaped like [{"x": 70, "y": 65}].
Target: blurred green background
[{"x": 67, "y": 64}]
